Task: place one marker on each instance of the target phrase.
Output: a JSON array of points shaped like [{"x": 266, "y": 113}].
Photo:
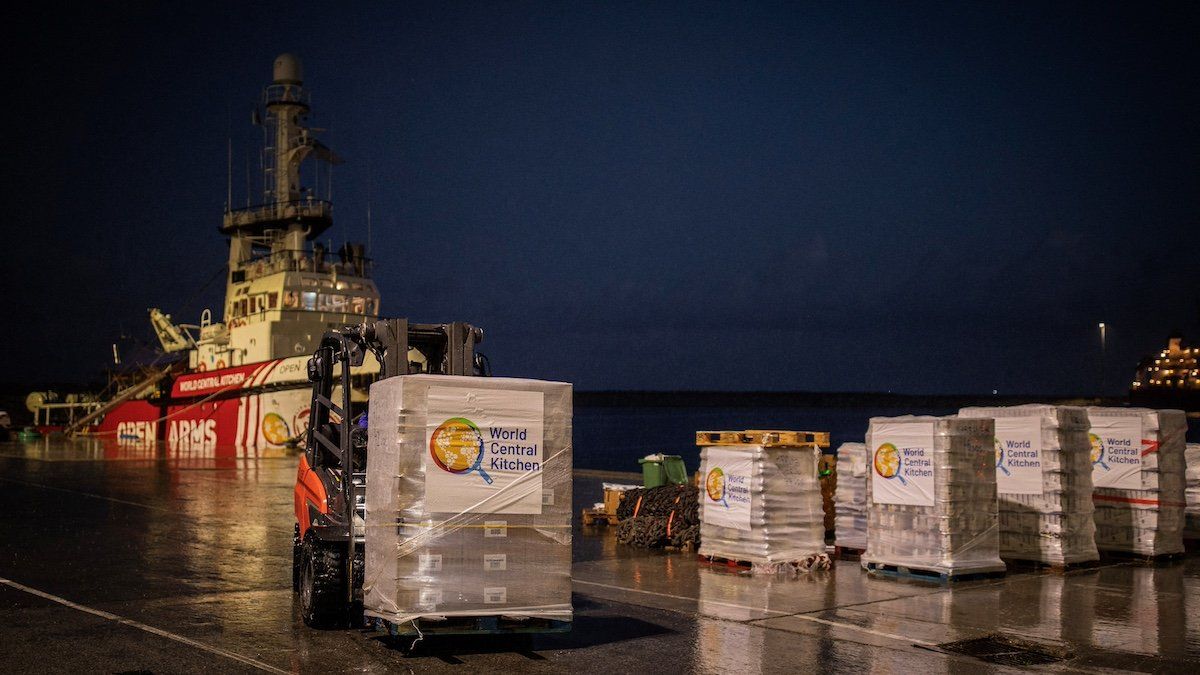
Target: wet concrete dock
[{"x": 139, "y": 559}]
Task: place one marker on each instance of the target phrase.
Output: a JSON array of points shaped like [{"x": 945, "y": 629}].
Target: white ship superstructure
[{"x": 244, "y": 381}]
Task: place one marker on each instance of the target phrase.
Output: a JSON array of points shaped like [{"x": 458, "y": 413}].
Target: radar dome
[{"x": 288, "y": 70}]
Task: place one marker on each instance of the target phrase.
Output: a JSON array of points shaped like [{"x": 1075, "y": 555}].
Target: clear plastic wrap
[
  {"x": 1139, "y": 474},
  {"x": 761, "y": 504},
  {"x": 1043, "y": 482},
  {"x": 851, "y": 496},
  {"x": 1191, "y": 520},
  {"x": 932, "y": 495},
  {"x": 468, "y": 498}
]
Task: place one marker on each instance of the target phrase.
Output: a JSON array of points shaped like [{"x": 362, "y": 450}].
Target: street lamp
[{"x": 1103, "y": 353}]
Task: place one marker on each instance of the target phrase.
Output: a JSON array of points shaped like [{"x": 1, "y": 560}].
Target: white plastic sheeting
[
  {"x": 850, "y": 498},
  {"x": 468, "y": 498},
  {"x": 1139, "y": 490},
  {"x": 1191, "y": 525},
  {"x": 1044, "y": 482},
  {"x": 761, "y": 504},
  {"x": 932, "y": 494}
]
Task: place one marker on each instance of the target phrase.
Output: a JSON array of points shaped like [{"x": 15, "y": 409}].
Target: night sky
[{"x": 893, "y": 197}]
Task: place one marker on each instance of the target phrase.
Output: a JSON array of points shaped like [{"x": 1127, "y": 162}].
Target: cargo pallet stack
[
  {"x": 1191, "y": 523},
  {"x": 468, "y": 522},
  {"x": 1044, "y": 483},
  {"x": 851, "y": 498},
  {"x": 761, "y": 497},
  {"x": 1139, "y": 477},
  {"x": 932, "y": 498}
]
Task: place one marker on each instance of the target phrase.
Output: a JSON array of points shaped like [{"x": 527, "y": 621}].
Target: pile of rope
[{"x": 663, "y": 516}]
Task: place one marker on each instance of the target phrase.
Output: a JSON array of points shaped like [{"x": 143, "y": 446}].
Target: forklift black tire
[
  {"x": 296, "y": 557},
  {"x": 322, "y": 585}
]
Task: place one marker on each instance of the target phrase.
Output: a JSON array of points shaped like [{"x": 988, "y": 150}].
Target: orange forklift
[{"x": 330, "y": 492}]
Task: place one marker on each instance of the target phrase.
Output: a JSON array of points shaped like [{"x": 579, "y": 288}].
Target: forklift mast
[{"x": 444, "y": 348}]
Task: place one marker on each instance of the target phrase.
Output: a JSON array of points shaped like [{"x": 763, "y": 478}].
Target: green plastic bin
[{"x": 659, "y": 470}]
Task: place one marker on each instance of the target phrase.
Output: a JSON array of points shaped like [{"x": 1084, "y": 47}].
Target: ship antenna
[
  {"x": 329, "y": 172},
  {"x": 228, "y": 157},
  {"x": 228, "y": 174},
  {"x": 247, "y": 156},
  {"x": 370, "y": 179}
]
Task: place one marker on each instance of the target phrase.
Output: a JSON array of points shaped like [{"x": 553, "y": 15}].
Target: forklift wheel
[{"x": 322, "y": 585}]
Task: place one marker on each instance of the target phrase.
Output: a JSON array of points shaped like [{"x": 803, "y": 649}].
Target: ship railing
[
  {"x": 286, "y": 93},
  {"x": 70, "y": 407},
  {"x": 292, "y": 260},
  {"x": 275, "y": 211},
  {"x": 125, "y": 394}
]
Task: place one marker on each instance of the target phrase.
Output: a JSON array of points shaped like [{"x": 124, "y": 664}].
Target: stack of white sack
[
  {"x": 1139, "y": 476},
  {"x": 761, "y": 504},
  {"x": 1191, "y": 523},
  {"x": 851, "y": 496},
  {"x": 1044, "y": 483},
  {"x": 932, "y": 495},
  {"x": 468, "y": 499}
]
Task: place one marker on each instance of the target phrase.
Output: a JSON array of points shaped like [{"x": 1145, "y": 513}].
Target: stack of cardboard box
[{"x": 468, "y": 498}]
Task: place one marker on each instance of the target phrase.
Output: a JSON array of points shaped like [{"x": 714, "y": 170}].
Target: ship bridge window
[
  {"x": 291, "y": 299},
  {"x": 331, "y": 303},
  {"x": 309, "y": 281},
  {"x": 310, "y": 300},
  {"x": 273, "y": 300}
]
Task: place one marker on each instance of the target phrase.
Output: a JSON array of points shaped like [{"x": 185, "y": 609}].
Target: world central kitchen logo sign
[
  {"x": 728, "y": 484},
  {"x": 457, "y": 446},
  {"x": 902, "y": 463},
  {"x": 1116, "y": 451},
  {"x": 485, "y": 451},
  {"x": 724, "y": 488}
]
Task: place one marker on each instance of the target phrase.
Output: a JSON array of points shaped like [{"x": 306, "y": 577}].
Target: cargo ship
[
  {"x": 1170, "y": 378},
  {"x": 241, "y": 381}
]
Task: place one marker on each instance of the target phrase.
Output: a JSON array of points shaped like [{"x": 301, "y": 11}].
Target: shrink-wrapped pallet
[
  {"x": 1191, "y": 522},
  {"x": 761, "y": 503},
  {"x": 851, "y": 496},
  {"x": 1138, "y": 471},
  {"x": 1043, "y": 482},
  {"x": 932, "y": 496},
  {"x": 468, "y": 499}
]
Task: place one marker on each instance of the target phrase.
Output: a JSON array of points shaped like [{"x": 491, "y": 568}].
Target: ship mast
[{"x": 290, "y": 214}]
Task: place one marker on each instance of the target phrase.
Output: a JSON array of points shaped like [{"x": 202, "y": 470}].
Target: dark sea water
[{"x": 614, "y": 438}]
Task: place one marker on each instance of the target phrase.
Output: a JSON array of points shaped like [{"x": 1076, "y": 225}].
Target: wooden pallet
[
  {"x": 472, "y": 625},
  {"x": 593, "y": 517},
  {"x": 847, "y": 552},
  {"x": 1053, "y": 568},
  {"x": 1129, "y": 556},
  {"x": 765, "y": 438},
  {"x": 931, "y": 575},
  {"x": 718, "y": 561}
]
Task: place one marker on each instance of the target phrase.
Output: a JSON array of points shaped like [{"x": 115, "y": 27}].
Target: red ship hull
[{"x": 258, "y": 405}]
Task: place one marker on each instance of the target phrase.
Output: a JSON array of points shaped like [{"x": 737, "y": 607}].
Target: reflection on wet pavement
[{"x": 191, "y": 548}]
